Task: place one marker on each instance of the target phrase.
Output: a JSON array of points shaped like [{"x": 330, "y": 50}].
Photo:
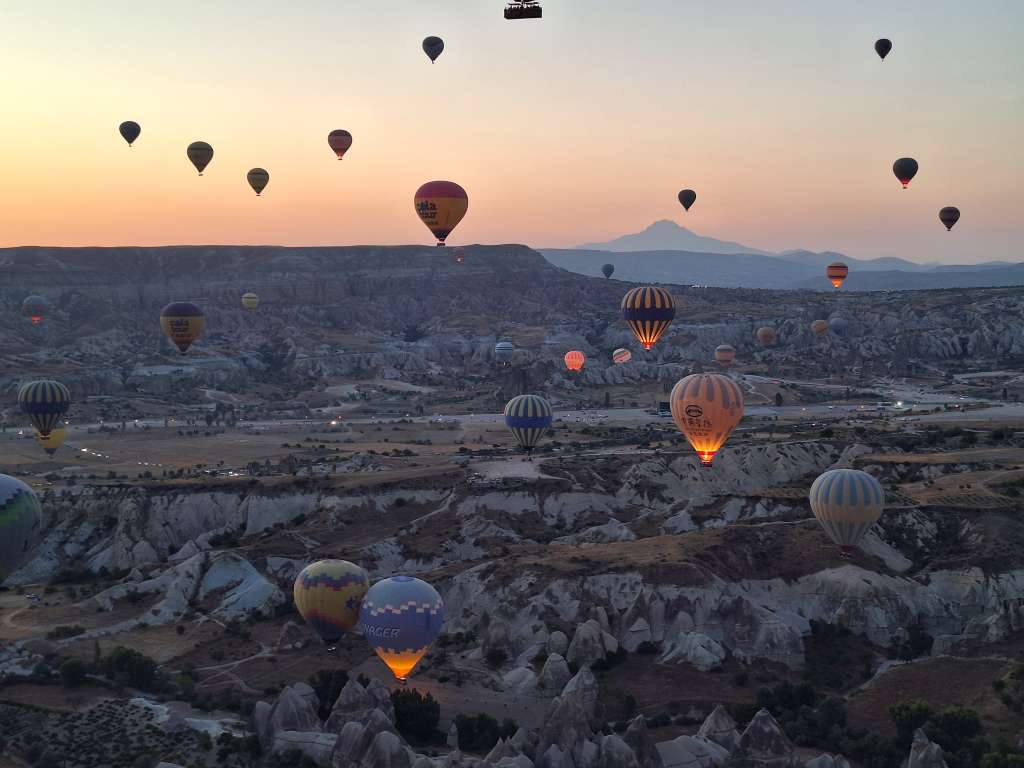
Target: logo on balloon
[{"x": 694, "y": 411}]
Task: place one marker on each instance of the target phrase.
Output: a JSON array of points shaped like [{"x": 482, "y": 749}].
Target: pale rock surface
[
  {"x": 566, "y": 724},
  {"x": 642, "y": 743},
  {"x": 521, "y": 679},
  {"x": 583, "y": 690},
  {"x": 316, "y": 746},
  {"x": 387, "y": 751},
  {"x": 720, "y": 728},
  {"x": 558, "y": 642},
  {"x": 692, "y": 752},
  {"x": 694, "y": 648},
  {"x": 828, "y": 761},
  {"x": 554, "y": 675},
  {"x": 452, "y": 739},
  {"x": 589, "y": 644},
  {"x": 615, "y": 753},
  {"x": 924, "y": 753},
  {"x": 519, "y": 761},
  {"x": 292, "y": 637},
  {"x": 764, "y": 744},
  {"x": 293, "y": 710}
]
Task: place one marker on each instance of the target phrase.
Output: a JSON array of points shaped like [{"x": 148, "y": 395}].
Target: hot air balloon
[
  {"x": 767, "y": 335},
  {"x": 529, "y": 417},
  {"x": 847, "y": 502},
  {"x": 523, "y": 9},
  {"x": 836, "y": 272},
  {"x": 258, "y": 180},
  {"x": 621, "y": 355},
  {"x": 649, "y": 312},
  {"x": 44, "y": 402},
  {"x": 706, "y": 407},
  {"x": 905, "y": 169},
  {"x": 441, "y": 206},
  {"x": 400, "y": 618},
  {"x": 129, "y": 131},
  {"x": 250, "y": 300},
  {"x": 340, "y": 141},
  {"x": 882, "y": 47},
  {"x": 432, "y": 46},
  {"x": 838, "y": 325},
  {"x": 51, "y": 442},
  {"x": 819, "y": 327},
  {"x": 607, "y": 270},
  {"x": 949, "y": 216},
  {"x": 183, "y": 323},
  {"x": 574, "y": 360},
  {"x": 35, "y": 308},
  {"x": 725, "y": 354},
  {"x": 503, "y": 352},
  {"x": 20, "y": 524},
  {"x": 328, "y": 595},
  {"x": 200, "y": 154},
  {"x": 687, "y": 197}
]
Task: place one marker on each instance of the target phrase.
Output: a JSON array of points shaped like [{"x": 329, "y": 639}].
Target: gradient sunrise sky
[{"x": 576, "y": 128}]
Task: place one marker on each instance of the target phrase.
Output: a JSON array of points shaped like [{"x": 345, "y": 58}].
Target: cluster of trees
[{"x": 815, "y": 720}]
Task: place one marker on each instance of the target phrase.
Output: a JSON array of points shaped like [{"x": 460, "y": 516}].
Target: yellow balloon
[
  {"x": 51, "y": 442},
  {"x": 250, "y": 300},
  {"x": 328, "y": 595}
]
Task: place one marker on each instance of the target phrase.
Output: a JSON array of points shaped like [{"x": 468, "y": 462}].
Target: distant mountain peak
[{"x": 667, "y": 235}]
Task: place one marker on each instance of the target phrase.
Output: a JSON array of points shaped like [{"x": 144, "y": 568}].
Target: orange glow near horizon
[{"x": 577, "y": 128}]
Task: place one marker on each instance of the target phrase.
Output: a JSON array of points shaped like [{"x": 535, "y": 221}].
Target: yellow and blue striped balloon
[
  {"x": 847, "y": 502},
  {"x": 529, "y": 417},
  {"x": 328, "y": 595},
  {"x": 44, "y": 402},
  {"x": 649, "y": 311},
  {"x": 400, "y": 618}
]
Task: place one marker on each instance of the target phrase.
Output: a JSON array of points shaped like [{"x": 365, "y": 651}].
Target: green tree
[
  {"x": 73, "y": 672},
  {"x": 416, "y": 715},
  {"x": 908, "y": 716}
]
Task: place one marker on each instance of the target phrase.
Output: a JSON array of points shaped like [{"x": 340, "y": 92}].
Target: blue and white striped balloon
[{"x": 847, "y": 502}]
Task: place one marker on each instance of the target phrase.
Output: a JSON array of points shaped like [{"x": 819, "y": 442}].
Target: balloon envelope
[
  {"x": 328, "y": 595},
  {"x": 688, "y": 197},
  {"x": 250, "y": 300},
  {"x": 621, "y": 355},
  {"x": 400, "y": 618},
  {"x": 836, "y": 272},
  {"x": 528, "y": 417},
  {"x": 882, "y": 47},
  {"x": 258, "y": 180},
  {"x": 838, "y": 325},
  {"x": 905, "y": 169},
  {"x": 199, "y": 154},
  {"x": 340, "y": 141},
  {"x": 649, "y": 312},
  {"x": 35, "y": 308},
  {"x": 607, "y": 270},
  {"x": 819, "y": 327},
  {"x": 574, "y": 360},
  {"x": 503, "y": 351},
  {"x": 725, "y": 354},
  {"x": 51, "y": 442},
  {"x": 44, "y": 402},
  {"x": 129, "y": 131},
  {"x": 432, "y": 46},
  {"x": 767, "y": 335},
  {"x": 20, "y": 524},
  {"x": 182, "y": 323},
  {"x": 847, "y": 502},
  {"x": 706, "y": 407},
  {"x": 441, "y": 206},
  {"x": 949, "y": 216}
]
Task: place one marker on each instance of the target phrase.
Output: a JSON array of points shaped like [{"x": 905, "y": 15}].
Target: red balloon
[{"x": 340, "y": 141}]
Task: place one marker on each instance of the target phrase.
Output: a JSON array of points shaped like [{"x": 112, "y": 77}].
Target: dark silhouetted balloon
[
  {"x": 200, "y": 154},
  {"x": 949, "y": 216},
  {"x": 687, "y": 197},
  {"x": 433, "y": 46},
  {"x": 648, "y": 311},
  {"x": 441, "y": 206},
  {"x": 130, "y": 131},
  {"x": 882, "y": 47},
  {"x": 340, "y": 141},
  {"x": 44, "y": 402},
  {"x": 767, "y": 335},
  {"x": 905, "y": 169},
  {"x": 607, "y": 270},
  {"x": 258, "y": 180}
]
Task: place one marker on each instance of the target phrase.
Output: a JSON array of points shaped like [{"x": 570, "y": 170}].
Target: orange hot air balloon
[
  {"x": 836, "y": 272},
  {"x": 574, "y": 360},
  {"x": 725, "y": 354},
  {"x": 441, "y": 206},
  {"x": 340, "y": 141},
  {"x": 819, "y": 327},
  {"x": 767, "y": 335},
  {"x": 706, "y": 407}
]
